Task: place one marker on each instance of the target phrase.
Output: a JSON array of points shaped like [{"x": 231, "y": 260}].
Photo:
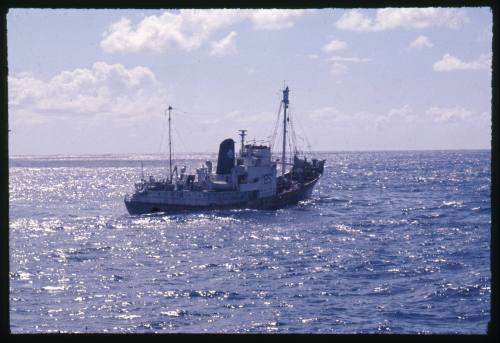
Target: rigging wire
[
  {"x": 181, "y": 139},
  {"x": 171, "y": 140},
  {"x": 300, "y": 147},
  {"x": 162, "y": 134},
  {"x": 179, "y": 110},
  {"x": 304, "y": 137},
  {"x": 292, "y": 139},
  {"x": 308, "y": 145},
  {"x": 275, "y": 131},
  {"x": 305, "y": 143},
  {"x": 187, "y": 124},
  {"x": 290, "y": 149},
  {"x": 293, "y": 136}
]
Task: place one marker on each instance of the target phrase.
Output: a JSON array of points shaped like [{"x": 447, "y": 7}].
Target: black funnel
[{"x": 225, "y": 163}]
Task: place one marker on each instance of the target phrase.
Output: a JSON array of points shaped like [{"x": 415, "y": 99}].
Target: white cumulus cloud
[
  {"x": 421, "y": 42},
  {"x": 225, "y": 46},
  {"x": 338, "y": 63},
  {"x": 451, "y": 63},
  {"x": 408, "y": 18},
  {"x": 275, "y": 19},
  {"x": 335, "y": 45},
  {"x": 395, "y": 116},
  {"x": 188, "y": 29},
  {"x": 109, "y": 90},
  {"x": 449, "y": 114}
]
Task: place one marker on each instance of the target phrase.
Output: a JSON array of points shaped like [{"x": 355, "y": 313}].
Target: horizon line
[{"x": 214, "y": 152}]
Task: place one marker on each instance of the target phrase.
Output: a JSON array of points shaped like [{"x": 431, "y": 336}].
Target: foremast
[{"x": 170, "y": 142}]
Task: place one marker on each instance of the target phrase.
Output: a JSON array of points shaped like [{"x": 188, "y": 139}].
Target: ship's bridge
[{"x": 255, "y": 155}]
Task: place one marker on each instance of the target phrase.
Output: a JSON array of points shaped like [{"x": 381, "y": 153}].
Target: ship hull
[{"x": 283, "y": 199}]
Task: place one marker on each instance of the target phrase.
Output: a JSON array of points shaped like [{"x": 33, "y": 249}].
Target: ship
[{"x": 249, "y": 179}]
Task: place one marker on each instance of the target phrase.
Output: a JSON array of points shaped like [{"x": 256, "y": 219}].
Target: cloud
[
  {"x": 335, "y": 45},
  {"x": 338, "y": 69},
  {"x": 104, "y": 90},
  {"x": 188, "y": 29},
  {"x": 335, "y": 116},
  {"x": 449, "y": 114},
  {"x": 274, "y": 19},
  {"x": 339, "y": 66},
  {"x": 354, "y": 20},
  {"x": 404, "y": 113},
  {"x": 451, "y": 63},
  {"x": 225, "y": 46},
  {"x": 330, "y": 113},
  {"x": 401, "y": 116},
  {"x": 421, "y": 42},
  {"x": 407, "y": 18},
  {"x": 348, "y": 59}
]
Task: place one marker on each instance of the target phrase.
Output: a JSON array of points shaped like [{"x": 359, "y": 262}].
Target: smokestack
[{"x": 225, "y": 162}]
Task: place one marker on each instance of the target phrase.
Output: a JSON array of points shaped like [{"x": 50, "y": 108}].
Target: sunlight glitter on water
[{"x": 336, "y": 263}]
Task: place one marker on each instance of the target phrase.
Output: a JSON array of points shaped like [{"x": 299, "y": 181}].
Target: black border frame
[{"x": 493, "y": 327}]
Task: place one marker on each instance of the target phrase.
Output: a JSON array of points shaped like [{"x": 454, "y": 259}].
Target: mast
[
  {"x": 283, "y": 154},
  {"x": 242, "y": 134},
  {"x": 170, "y": 141}
]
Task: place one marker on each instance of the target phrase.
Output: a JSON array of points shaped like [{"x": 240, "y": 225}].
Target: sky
[{"x": 99, "y": 81}]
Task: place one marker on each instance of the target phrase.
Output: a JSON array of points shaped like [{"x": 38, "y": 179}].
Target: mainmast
[
  {"x": 170, "y": 141},
  {"x": 285, "y": 107}
]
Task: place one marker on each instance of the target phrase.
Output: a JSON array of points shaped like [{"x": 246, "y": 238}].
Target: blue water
[{"x": 394, "y": 242}]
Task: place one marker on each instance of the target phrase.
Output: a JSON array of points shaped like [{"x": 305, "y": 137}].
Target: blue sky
[{"x": 98, "y": 81}]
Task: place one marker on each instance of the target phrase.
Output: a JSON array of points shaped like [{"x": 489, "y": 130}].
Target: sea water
[{"x": 393, "y": 242}]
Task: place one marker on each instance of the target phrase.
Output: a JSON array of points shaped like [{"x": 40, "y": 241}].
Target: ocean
[{"x": 390, "y": 242}]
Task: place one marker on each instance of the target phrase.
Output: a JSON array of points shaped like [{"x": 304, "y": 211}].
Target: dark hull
[{"x": 286, "y": 198}]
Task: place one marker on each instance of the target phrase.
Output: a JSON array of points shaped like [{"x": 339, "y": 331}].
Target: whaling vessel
[{"x": 248, "y": 179}]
